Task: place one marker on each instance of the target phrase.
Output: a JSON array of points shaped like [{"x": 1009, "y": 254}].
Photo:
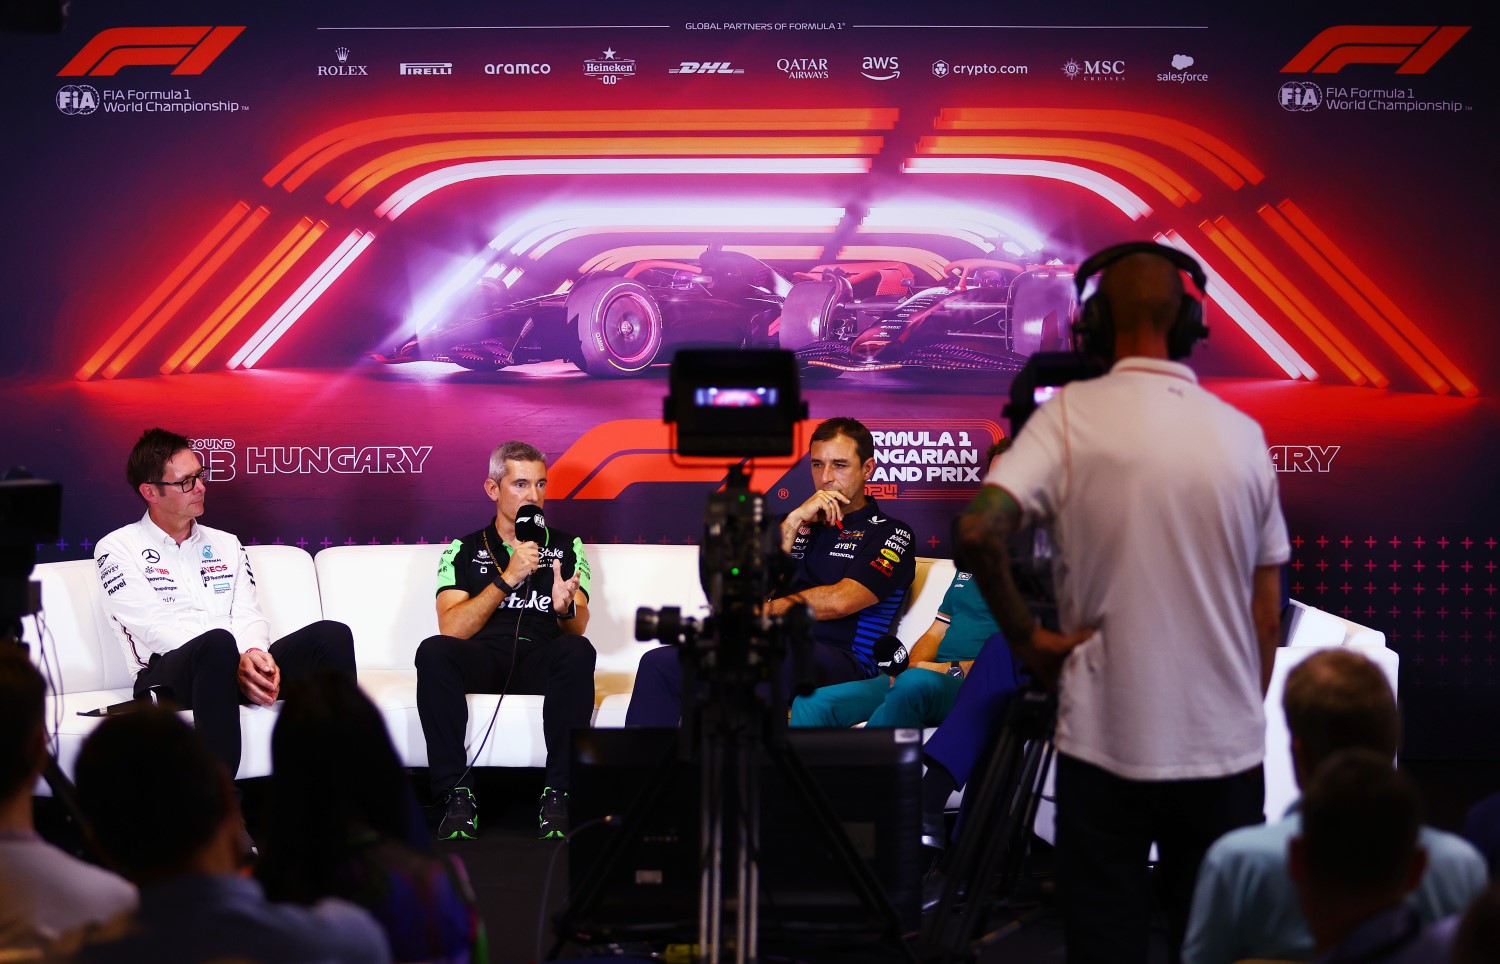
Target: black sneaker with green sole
[{"x": 460, "y": 816}]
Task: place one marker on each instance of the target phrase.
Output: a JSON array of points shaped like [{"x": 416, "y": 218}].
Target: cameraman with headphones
[{"x": 1164, "y": 513}]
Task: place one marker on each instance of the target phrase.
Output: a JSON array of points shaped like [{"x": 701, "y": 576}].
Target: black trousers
[
  {"x": 1105, "y": 827},
  {"x": 200, "y": 675},
  {"x": 561, "y": 670}
]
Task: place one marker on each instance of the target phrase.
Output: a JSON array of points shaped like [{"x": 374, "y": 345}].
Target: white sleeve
[
  {"x": 146, "y": 624},
  {"x": 1033, "y": 469},
  {"x": 251, "y": 628}
]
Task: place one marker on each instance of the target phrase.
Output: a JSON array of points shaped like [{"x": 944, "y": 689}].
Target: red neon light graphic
[
  {"x": 321, "y": 150},
  {"x": 1256, "y": 266},
  {"x": 188, "y": 289},
  {"x": 269, "y": 281},
  {"x": 235, "y": 297},
  {"x": 1416, "y": 49},
  {"x": 1313, "y": 249},
  {"x": 356, "y": 185},
  {"x": 190, "y": 49},
  {"x": 1171, "y": 184},
  {"x": 1228, "y": 164},
  {"x": 172, "y": 280}
]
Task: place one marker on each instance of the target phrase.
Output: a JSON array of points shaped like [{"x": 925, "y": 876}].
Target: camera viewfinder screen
[{"x": 737, "y": 397}]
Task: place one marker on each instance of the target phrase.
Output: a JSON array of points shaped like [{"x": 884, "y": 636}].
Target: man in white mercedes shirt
[{"x": 181, "y": 601}]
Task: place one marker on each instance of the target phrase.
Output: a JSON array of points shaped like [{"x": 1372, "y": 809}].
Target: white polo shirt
[
  {"x": 1162, "y": 501},
  {"x": 159, "y": 594}
]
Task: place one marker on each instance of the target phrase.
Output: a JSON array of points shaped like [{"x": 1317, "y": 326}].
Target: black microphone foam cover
[
  {"x": 890, "y": 655},
  {"x": 531, "y": 525}
]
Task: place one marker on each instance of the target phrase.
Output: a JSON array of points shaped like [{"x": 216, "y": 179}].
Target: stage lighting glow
[
  {"x": 429, "y": 305},
  {"x": 1129, "y": 203},
  {"x": 967, "y": 222},
  {"x": 401, "y": 200}
]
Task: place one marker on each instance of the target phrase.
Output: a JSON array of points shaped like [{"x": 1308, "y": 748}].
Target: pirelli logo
[
  {"x": 187, "y": 50},
  {"x": 1413, "y": 49}
]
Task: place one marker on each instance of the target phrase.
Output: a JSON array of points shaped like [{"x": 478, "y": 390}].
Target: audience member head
[
  {"x": 159, "y": 804},
  {"x": 1357, "y": 853},
  {"x": 335, "y": 773},
  {"x": 149, "y": 458},
  {"x": 23, "y": 737},
  {"x": 1478, "y": 937},
  {"x": 1336, "y": 700},
  {"x": 850, "y": 428}
]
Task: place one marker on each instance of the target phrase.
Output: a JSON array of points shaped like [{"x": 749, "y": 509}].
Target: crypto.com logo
[
  {"x": 187, "y": 50},
  {"x": 1416, "y": 49}
]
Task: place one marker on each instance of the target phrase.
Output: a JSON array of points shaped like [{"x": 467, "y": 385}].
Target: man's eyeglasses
[{"x": 189, "y": 483}]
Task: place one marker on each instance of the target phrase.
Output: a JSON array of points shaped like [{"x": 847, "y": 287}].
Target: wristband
[
  {"x": 572, "y": 612},
  {"x": 499, "y": 583}
]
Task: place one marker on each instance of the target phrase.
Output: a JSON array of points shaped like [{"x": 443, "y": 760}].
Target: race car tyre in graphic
[
  {"x": 619, "y": 326},
  {"x": 1041, "y": 302}
]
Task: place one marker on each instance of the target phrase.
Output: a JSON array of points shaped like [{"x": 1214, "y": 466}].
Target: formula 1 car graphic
[
  {"x": 985, "y": 316},
  {"x": 617, "y": 323}
]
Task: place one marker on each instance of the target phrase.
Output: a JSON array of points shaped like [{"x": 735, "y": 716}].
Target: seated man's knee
[
  {"x": 433, "y": 651},
  {"x": 806, "y": 711},
  {"x": 575, "y": 653},
  {"x": 218, "y": 646},
  {"x": 657, "y": 663}
]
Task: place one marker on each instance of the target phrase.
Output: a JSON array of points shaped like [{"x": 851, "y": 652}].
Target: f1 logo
[
  {"x": 187, "y": 50},
  {"x": 1416, "y": 49}
]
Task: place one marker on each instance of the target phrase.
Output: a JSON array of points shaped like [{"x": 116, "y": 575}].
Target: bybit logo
[{"x": 187, "y": 50}]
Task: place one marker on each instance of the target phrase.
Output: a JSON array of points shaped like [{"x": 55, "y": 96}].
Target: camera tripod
[
  {"x": 730, "y": 730},
  {"x": 992, "y": 846}
]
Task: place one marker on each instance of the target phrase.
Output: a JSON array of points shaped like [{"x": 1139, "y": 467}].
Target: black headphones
[{"x": 1094, "y": 330}]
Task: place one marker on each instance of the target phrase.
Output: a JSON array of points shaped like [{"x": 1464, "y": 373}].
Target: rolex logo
[{"x": 342, "y": 54}]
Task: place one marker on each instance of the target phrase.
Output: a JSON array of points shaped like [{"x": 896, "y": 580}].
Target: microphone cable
[{"x": 515, "y": 644}]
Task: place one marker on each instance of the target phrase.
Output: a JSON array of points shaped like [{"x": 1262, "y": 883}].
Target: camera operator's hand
[{"x": 1045, "y": 653}]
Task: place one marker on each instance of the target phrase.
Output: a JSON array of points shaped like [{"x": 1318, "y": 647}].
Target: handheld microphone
[
  {"x": 531, "y": 524},
  {"x": 891, "y": 656}
]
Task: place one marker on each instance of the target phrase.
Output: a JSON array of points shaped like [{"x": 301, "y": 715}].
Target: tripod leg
[{"x": 866, "y": 887}]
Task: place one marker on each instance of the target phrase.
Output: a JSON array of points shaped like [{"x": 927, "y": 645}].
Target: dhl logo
[
  {"x": 187, "y": 50},
  {"x": 1416, "y": 49}
]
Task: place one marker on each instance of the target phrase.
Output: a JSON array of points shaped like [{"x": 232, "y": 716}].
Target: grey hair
[{"x": 513, "y": 451}]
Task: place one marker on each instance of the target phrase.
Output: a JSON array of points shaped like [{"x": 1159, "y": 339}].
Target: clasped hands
[{"x": 259, "y": 677}]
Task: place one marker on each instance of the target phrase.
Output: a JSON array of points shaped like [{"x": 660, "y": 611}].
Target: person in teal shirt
[{"x": 926, "y": 691}]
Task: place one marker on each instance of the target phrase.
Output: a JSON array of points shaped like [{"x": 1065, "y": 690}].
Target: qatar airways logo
[{"x": 224, "y": 459}]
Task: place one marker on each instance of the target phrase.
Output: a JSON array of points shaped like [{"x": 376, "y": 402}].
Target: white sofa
[{"x": 386, "y": 596}]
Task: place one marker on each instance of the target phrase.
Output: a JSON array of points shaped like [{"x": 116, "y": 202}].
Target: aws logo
[
  {"x": 1414, "y": 49},
  {"x": 187, "y": 50}
]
